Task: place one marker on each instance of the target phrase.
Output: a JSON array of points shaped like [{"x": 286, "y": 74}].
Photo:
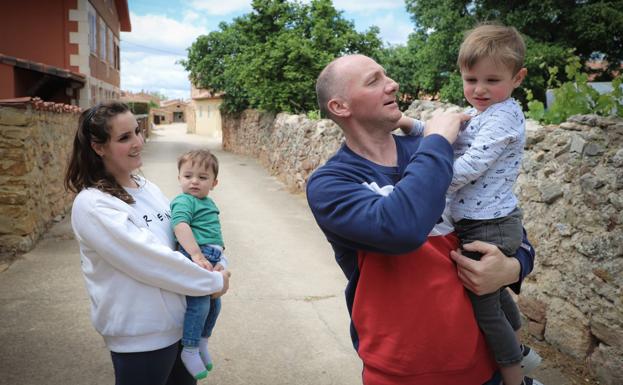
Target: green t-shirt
[{"x": 201, "y": 215}]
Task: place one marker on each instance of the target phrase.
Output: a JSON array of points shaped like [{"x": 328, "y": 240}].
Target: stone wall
[
  {"x": 35, "y": 140},
  {"x": 571, "y": 187},
  {"x": 289, "y": 146},
  {"x": 571, "y": 190}
]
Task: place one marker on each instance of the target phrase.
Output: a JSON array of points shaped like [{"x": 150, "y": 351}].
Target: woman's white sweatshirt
[{"x": 135, "y": 280}]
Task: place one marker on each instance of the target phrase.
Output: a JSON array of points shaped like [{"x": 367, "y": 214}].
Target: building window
[
  {"x": 102, "y": 40},
  {"x": 109, "y": 50},
  {"x": 117, "y": 59},
  {"x": 93, "y": 33}
]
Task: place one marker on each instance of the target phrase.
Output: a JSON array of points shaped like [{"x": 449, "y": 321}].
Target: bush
[{"x": 575, "y": 97}]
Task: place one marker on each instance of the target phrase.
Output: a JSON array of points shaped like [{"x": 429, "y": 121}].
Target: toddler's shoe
[
  {"x": 530, "y": 360},
  {"x": 527, "y": 381}
]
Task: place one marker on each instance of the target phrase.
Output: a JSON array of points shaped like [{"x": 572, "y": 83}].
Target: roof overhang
[
  {"x": 74, "y": 77},
  {"x": 124, "y": 15}
]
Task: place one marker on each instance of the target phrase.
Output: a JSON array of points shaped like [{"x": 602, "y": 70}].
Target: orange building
[{"x": 65, "y": 51}]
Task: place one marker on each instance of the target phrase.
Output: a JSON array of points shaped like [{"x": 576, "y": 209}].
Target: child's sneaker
[
  {"x": 527, "y": 381},
  {"x": 531, "y": 359},
  {"x": 530, "y": 381}
]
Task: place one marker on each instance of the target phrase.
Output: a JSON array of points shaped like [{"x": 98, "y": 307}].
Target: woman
[{"x": 135, "y": 280}]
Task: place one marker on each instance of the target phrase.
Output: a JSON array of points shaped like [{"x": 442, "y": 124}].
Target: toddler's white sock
[
  {"x": 193, "y": 363},
  {"x": 205, "y": 354}
]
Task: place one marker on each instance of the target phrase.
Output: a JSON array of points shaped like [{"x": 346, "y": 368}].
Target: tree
[
  {"x": 554, "y": 30},
  {"x": 270, "y": 58}
]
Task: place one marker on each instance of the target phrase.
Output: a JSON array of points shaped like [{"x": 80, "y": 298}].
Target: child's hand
[
  {"x": 406, "y": 124},
  {"x": 218, "y": 267},
  {"x": 200, "y": 260}
]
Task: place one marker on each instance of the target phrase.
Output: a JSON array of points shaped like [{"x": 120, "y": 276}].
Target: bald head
[{"x": 332, "y": 80}]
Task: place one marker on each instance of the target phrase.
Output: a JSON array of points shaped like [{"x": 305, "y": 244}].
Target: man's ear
[
  {"x": 519, "y": 77},
  {"x": 338, "y": 108},
  {"x": 98, "y": 148}
]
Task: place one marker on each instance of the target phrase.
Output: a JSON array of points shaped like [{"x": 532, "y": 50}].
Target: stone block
[
  {"x": 15, "y": 116},
  {"x": 617, "y": 158},
  {"x": 550, "y": 191},
  {"x": 577, "y": 144},
  {"x": 593, "y": 149},
  {"x": 605, "y": 363},
  {"x": 533, "y": 308},
  {"x": 567, "y": 329},
  {"x": 17, "y": 197},
  {"x": 605, "y": 331},
  {"x": 12, "y": 244},
  {"x": 14, "y": 168},
  {"x": 537, "y": 330}
]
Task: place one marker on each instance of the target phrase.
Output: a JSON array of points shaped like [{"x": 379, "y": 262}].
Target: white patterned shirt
[{"x": 487, "y": 160}]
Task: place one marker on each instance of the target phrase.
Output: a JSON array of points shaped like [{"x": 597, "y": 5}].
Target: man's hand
[
  {"x": 200, "y": 260},
  {"x": 226, "y": 274},
  {"x": 493, "y": 271},
  {"x": 446, "y": 124}
]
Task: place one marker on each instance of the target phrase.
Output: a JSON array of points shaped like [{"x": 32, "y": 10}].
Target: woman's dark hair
[{"x": 86, "y": 168}]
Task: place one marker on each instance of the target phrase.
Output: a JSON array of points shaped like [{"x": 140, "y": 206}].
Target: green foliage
[
  {"x": 552, "y": 29},
  {"x": 158, "y": 95},
  {"x": 452, "y": 91},
  {"x": 313, "y": 115},
  {"x": 576, "y": 97},
  {"x": 399, "y": 65},
  {"x": 139, "y": 108},
  {"x": 269, "y": 59}
]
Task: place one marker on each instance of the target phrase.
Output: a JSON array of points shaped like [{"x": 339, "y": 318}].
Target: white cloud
[
  {"x": 221, "y": 7},
  {"x": 150, "y": 53},
  {"x": 140, "y": 71},
  {"x": 393, "y": 29},
  {"x": 162, "y": 33}
]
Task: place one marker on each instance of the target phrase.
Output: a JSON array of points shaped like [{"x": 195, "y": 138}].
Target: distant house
[
  {"x": 204, "y": 116},
  {"x": 141, "y": 104},
  {"x": 129, "y": 97},
  {"x": 170, "y": 111},
  {"x": 62, "y": 51}
]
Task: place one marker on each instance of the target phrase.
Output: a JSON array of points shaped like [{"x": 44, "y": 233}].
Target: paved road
[{"x": 284, "y": 320}]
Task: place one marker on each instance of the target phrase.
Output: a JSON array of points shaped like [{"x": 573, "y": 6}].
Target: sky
[{"x": 162, "y": 30}]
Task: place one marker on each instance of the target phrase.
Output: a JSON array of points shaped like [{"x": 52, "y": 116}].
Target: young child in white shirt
[{"x": 488, "y": 156}]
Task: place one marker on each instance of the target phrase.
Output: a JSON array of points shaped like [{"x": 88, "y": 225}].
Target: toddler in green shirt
[{"x": 195, "y": 221}]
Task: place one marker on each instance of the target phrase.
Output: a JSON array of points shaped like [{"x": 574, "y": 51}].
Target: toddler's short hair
[
  {"x": 203, "y": 157},
  {"x": 500, "y": 43}
]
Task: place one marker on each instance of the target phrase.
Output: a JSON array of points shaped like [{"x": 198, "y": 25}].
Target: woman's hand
[
  {"x": 218, "y": 267},
  {"x": 226, "y": 274},
  {"x": 493, "y": 271}
]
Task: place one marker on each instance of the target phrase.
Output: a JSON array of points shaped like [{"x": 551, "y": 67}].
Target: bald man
[{"x": 380, "y": 202}]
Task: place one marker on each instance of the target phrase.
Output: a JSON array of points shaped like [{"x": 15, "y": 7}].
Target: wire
[{"x": 153, "y": 49}]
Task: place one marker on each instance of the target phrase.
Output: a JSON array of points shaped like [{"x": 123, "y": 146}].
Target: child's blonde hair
[
  {"x": 202, "y": 157},
  {"x": 500, "y": 43}
]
